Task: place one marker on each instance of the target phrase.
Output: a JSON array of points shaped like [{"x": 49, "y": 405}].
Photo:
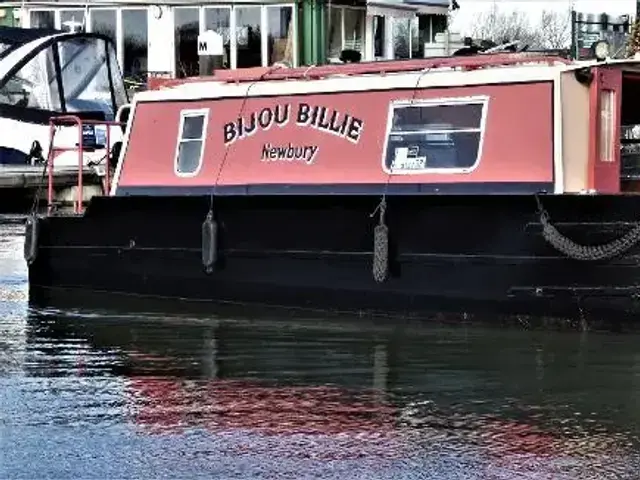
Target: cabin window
[
  {"x": 34, "y": 85},
  {"x": 191, "y": 139},
  {"x": 435, "y": 136}
]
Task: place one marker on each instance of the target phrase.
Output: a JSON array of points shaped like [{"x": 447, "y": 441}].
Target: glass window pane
[
  {"x": 85, "y": 78},
  {"x": 417, "y": 43},
  {"x": 334, "y": 27},
  {"x": 280, "y": 42},
  {"x": 420, "y": 151},
  {"x": 437, "y": 117},
  {"x": 192, "y": 127},
  {"x": 135, "y": 32},
  {"x": 119, "y": 89},
  {"x": 187, "y": 29},
  {"x": 34, "y": 85},
  {"x": 378, "y": 37},
  {"x": 439, "y": 25},
  {"x": 401, "y": 32},
  {"x": 353, "y": 29},
  {"x": 43, "y": 19},
  {"x": 425, "y": 137},
  {"x": 248, "y": 20},
  {"x": 219, "y": 20},
  {"x": 104, "y": 22},
  {"x": 189, "y": 156},
  {"x": 71, "y": 20}
]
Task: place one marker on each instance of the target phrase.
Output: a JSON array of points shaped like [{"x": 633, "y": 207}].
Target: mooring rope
[
  {"x": 210, "y": 225},
  {"x": 381, "y": 230}
]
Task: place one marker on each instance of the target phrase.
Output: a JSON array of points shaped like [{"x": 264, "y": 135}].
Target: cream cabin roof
[{"x": 427, "y": 78}]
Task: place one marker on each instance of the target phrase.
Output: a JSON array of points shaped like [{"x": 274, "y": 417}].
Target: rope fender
[
  {"x": 209, "y": 242},
  {"x": 589, "y": 253},
  {"x": 381, "y": 245}
]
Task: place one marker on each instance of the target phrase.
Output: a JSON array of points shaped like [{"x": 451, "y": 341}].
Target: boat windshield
[
  {"x": 89, "y": 76},
  {"x": 89, "y": 70}
]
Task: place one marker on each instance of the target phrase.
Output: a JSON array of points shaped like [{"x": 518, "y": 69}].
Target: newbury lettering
[
  {"x": 288, "y": 153},
  {"x": 317, "y": 117}
]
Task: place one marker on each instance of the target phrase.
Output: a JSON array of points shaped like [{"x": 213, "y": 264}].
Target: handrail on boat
[
  {"x": 79, "y": 123},
  {"x": 473, "y": 62}
]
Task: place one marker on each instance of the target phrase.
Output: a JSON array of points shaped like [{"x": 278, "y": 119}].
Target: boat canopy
[
  {"x": 45, "y": 73},
  {"x": 13, "y": 37}
]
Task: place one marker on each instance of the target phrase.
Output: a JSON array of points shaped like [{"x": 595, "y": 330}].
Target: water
[{"x": 89, "y": 395}]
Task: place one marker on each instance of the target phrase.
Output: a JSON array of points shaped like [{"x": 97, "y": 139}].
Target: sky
[{"x": 469, "y": 9}]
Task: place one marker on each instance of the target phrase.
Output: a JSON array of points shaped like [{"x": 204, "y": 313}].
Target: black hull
[{"x": 446, "y": 253}]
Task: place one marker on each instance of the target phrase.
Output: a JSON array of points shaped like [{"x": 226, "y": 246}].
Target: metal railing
[{"x": 78, "y": 123}]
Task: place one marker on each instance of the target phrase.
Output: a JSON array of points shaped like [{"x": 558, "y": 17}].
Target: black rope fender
[
  {"x": 381, "y": 244},
  {"x": 209, "y": 242},
  {"x": 587, "y": 253}
]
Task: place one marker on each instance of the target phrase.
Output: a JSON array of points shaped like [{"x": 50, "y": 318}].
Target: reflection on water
[{"x": 88, "y": 395}]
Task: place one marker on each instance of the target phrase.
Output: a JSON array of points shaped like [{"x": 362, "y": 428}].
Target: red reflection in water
[{"x": 271, "y": 410}]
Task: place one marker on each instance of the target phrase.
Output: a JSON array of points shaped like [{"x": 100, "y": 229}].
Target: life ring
[{"x": 31, "y": 235}]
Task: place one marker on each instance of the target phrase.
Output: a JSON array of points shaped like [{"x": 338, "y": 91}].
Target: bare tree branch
[{"x": 553, "y": 31}]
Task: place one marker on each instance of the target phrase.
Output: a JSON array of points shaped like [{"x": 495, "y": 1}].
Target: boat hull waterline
[{"x": 443, "y": 252}]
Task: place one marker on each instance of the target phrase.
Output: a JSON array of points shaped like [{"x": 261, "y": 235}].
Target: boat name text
[{"x": 320, "y": 118}]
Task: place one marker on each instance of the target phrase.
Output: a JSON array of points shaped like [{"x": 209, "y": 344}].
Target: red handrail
[
  {"x": 74, "y": 120},
  {"x": 473, "y": 62}
]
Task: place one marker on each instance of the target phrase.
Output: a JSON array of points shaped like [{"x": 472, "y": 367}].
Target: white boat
[{"x": 46, "y": 75}]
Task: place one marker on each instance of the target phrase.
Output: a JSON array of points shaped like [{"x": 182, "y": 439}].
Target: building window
[
  {"x": 105, "y": 22},
  {"x": 191, "y": 139},
  {"x": 346, "y": 31},
  {"x": 401, "y": 38},
  {"x": 218, "y": 19},
  {"x": 437, "y": 24},
  {"x": 353, "y": 28},
  {"x": 435, "y": 136},
  {"x": 187, "y": 29},
  {"x": 379, "y": 37},
  {"x": 248, "y": 36},
  {"x": 262, "y": 36},
  {"x": 280, "y": 34},
  {"x": 42, "y": 19},
  {"x": 34, "y": 85},
  {"x": 134, "y": 42},
  {"x": 72, "y": 20}
]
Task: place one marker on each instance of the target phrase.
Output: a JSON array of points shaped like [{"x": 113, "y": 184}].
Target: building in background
[{"x": 160, "y": 38}]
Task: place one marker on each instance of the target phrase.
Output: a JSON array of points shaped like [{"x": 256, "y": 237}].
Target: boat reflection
[{"x": 343, "y": 391}]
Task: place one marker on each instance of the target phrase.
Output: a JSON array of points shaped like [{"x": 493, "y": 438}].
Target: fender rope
[{"x": 587, "y": 253}]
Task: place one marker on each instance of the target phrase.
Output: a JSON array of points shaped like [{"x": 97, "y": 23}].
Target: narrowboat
[{"x": 505, "y": 181}]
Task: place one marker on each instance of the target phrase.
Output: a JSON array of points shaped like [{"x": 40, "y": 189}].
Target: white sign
[{"x": 210, "y": 43}]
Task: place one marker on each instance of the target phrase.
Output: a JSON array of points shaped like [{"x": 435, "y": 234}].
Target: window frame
[
  {"x": 204, "y": 112},
  {"x": 482, "y": 100},
  {"x": 343, "y": 41},
  {"x": 233, "y": 44}
]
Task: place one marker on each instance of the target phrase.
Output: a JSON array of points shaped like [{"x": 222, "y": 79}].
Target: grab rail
[{"x": 79, "y": 123}]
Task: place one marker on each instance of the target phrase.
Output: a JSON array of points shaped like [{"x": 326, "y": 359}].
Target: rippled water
[{"x": 88, "y": 395}]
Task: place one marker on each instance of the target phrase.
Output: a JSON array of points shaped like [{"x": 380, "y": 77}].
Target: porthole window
[
  {"x": 191, "y": 139},
  {"x": 435, "y": 136}
]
